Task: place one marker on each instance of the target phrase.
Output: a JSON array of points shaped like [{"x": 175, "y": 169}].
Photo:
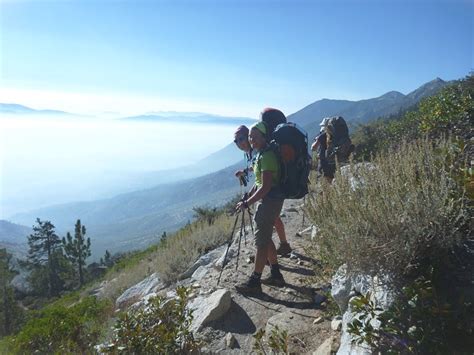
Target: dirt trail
[{"x": 298, "y": 303}]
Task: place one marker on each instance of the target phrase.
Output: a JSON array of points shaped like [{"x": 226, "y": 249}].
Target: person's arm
[{"x": 259, "y": 193}]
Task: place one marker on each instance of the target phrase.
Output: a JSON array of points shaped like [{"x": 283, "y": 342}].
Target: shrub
[
  {"x": 162, "y": 327},
  {"x": 58, "y": 329},
  {"x": 277, "y": 341},
  {"x": 419, "y": 322},
  {"x": 388, "y": 217}
]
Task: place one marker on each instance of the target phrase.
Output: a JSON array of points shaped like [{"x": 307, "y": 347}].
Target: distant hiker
[
  {"x": 241, "y": 136},
  {"x": 333, "y": 145},
  {"x": 267, "y": 175},
  {"x": 320, "y": 146}
]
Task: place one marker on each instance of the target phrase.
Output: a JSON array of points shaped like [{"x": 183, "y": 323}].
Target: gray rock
[
  {"x": 326, "y": 348},
  {"x": 354, "y": 172},
  {"x": 344, "y": 287},
  {"x": 200, "y": 272},
  {"x": 203, "y": 260},
  {"x": 347, "y": 345},
  {"x": 207, "y": 309},
  {"x": 293, "y": 323},
  {"x": 230, "y": 341},
  {"x": 20, "y": 282},
  {"x": 291, "y": 209},
  {"x": 149, "y": 285},
  {"x": 219, "y": 263},
  {"x": 342, "y": 284}
]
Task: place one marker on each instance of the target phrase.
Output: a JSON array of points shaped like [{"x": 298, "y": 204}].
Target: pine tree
[
  {"x": 78, "y": 249},
  {"x": 44, "y": 255},
  {"x": 107, "y": 259},
  {"x": 10, "y": 313}
]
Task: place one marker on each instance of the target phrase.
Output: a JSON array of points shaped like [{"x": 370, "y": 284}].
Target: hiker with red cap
[
  {"x": 241, "y": 140},
  {"x": 267, "y": 175}
]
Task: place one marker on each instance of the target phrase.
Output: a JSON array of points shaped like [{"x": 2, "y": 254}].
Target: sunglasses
[{"x": 240, "y": 139}]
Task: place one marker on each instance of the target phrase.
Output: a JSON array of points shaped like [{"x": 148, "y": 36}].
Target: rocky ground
[{"x": 298, "y": 308}]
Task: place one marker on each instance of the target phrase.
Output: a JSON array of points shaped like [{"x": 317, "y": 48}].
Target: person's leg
[
  {"x": 265, "y": 215},
  {"x": 280, "y": 229},
  {"x": 284, "y": 247}
]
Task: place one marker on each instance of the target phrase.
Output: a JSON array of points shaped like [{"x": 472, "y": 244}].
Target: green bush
[
  {"x": 162, "y": 327},
  {"x": 419, "y": 322},
  {"x": 58, "y": 329},
  {"x": 403, "y": 208},
  {"x": 277, "y": 342},
  {"x": 450, "y": 112}
]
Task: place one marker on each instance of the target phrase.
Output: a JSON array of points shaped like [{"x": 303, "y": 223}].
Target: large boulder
[
  {"x": 151, "y": 284},
  {"x": 208, "y": 309},
  {"x": 346, "y": 285}
]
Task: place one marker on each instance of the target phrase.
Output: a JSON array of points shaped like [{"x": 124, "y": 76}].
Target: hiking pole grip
[{"x": 228, "y": 246}]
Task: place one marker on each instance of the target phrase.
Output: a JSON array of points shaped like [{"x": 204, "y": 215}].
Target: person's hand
[
  {"x": 239, "y": 173},
  {"x": 242, "y": 205}
]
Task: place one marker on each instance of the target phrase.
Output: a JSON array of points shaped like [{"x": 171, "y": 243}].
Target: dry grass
[
  {"x": 171, "y": 258},
  {"x": 186, "y": 245},
  {"x": 404, "y": 209}
]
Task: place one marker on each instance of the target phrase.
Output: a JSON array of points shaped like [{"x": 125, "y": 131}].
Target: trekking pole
[
  {"x": 228, "y": 246},
  {"x": 304, "y": 212},
  {"x": 240, "y": 240},
  {"x": 251, "y": 221},
  {"x": 243, "y": 225}
]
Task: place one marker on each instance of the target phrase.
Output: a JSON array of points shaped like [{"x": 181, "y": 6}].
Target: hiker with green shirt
[
  {"x": 269, "y": 203},
  {"x": 241, "y": 140}
]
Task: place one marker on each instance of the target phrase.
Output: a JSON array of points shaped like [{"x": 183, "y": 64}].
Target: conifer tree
[
  {"x": 78, "y": 249},
  {"x": 107, "y": 258},
  {"x": 10, "y": 313},
  {"x": 44, "y": 255}
]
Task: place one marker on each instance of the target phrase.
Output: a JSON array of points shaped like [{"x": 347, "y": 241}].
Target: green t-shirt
[{"x": 266, "y": 161}]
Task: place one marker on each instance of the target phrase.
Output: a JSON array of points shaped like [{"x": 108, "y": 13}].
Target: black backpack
[
  {"x": 339, "y": 144},
  {"x": 272, "y": 118},
  {"x": 290, "y": 143}
]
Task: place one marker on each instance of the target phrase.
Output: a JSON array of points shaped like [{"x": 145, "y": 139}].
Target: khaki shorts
[{"x": 267, "y": 212}]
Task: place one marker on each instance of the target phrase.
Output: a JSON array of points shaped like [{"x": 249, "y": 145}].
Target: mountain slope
[
  {"x": 133, "y": 220},
  {"x": 24, "y": 110},
  {"x": 364, "y": 110}
]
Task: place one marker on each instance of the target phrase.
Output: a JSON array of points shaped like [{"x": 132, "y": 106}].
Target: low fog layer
[{"x": 53, "y": 159}]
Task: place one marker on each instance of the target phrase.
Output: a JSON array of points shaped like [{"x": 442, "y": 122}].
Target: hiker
[
  {"x": 269, "y": 204},
  {"x": 242, "y": 142},
  {"x": 320, "y": 146}
]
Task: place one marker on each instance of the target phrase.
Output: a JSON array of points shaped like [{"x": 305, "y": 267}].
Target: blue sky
[{"x": 227, "y": 57}]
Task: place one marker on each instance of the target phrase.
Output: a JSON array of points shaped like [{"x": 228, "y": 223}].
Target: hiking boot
[
  {"x": 275, "y": 279},
  {"x": 284, "y": 249},
  {"x": 252, "y": 286}
]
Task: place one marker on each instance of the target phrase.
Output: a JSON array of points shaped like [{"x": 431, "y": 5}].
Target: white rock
[
  {"x": 220, "y": 261},
  {"x": 230, "y": 341},
  {"x": 318, "y": 320},
  {"x": 347, "y": 345},
  {"x": 314, "y": 232},
  {"x": 203, "y": 260},
  {"x": 207, "y": 309},
  {"x": 325, "y": 348},
  {"x": 336, "y": 324},
  {"x": 149, "y": 285},
  {"x": 200, "y": 272}
]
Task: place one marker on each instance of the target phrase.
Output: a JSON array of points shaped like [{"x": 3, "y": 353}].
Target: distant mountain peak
[{"x": 392, "y": 95}]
